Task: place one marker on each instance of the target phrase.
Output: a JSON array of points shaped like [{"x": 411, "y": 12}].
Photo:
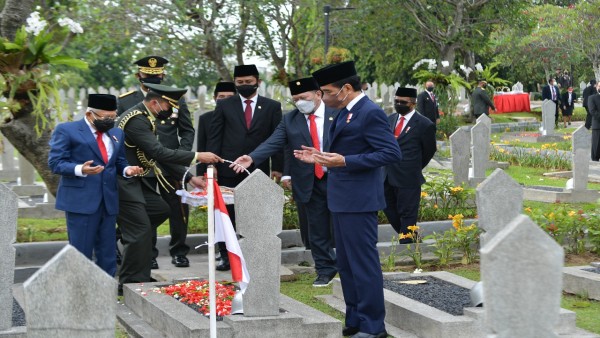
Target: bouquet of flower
[{"x": 195, "y": 294}]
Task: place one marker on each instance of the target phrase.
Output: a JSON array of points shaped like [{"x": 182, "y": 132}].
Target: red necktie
[
  {"x": 248, "y": 113},
  {"x": 399, "y": 127},
  {"x": 433, "y": 97},
  {"x": 102, "y": 147},
  {"x": 315, "y": 140}
]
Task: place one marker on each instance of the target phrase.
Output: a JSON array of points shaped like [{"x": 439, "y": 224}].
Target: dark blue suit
[
  {"x": 547, "y": 95},
  {"x": 91, "y": 203},
  {"x": 404, "y": 178},
  {"x": 310, "y": 191},
  {"x": 355, "y": 194}
]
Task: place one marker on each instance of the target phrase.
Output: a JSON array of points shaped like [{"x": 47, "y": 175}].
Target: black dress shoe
[
  {"x": 348, "y": 331},
  {"x": 119, "y": 257},
  {"x": 223, "y": 265},
  {"x": 154, "y": 264},
  {"x": 180, "y": 261},
  {"x": 120, "y": 290}
]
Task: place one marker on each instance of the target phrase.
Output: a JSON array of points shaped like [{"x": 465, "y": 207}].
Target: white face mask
[{"x": 305, "y": 106}]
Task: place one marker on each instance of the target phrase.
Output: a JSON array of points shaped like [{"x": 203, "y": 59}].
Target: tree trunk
[
  {"x": 21, "y": 134},
  {"x": 13, "y": 16},
  {"x": 447, "y": 53}
]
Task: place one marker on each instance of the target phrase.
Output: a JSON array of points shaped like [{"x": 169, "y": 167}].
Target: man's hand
[
  {"x": 287, "y": 184},
  {"x": 306, "y": 154},
  {"x": 198, "y": 182},
  {"x": 207, "y": 157},
  {"x": 242, "y": 162},
  {"x": 330, "y": 160},
  {"x": 87, "y": 168},
  {"x": 134, "y": 171},
  {"x": 276, "y": 176}
]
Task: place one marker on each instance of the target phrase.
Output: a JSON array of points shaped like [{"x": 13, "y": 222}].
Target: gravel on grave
[
  {"x": 436, "y": 293},
  {"x": 594, "y": 270},
  {"x": 18, "y": 316}
]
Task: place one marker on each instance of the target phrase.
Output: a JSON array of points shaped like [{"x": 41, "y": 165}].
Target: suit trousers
[
  {"x": 595, "y": 144},
  {"x": 320, "y": 233},
  {"x": 360, "y": 270},
  {"x": 303, "y": 222},
  {"x": 178, "y": 220},
  {"x": 94, "y": 234},
  {"x": 138, "y": 222},
  {"x": 402, "y": 206}
]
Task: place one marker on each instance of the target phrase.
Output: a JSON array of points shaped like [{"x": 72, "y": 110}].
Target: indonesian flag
[{"x": 224, "y": 233}]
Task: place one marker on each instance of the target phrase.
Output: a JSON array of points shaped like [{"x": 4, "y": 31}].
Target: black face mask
[
  {"x": 103, "y": 125},
  {"x": 163, "y": 114},
  {"x": 402, "y": 109},
  {"x": 430, "y": 88},
  {"x": 152, "y": 80},
  {"x": 247, "y": 90}
]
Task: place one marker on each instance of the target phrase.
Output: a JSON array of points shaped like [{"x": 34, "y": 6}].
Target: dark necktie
[
  {"x": 399, "y": 127},
  {"x": 553, "y": 93},
  {"x": 102, "y": 147},
  {"x": 248, "y": 113},
  {"x": 314, "y": 136}
]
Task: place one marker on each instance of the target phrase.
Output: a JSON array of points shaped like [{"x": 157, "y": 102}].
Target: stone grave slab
[
  {"x": 578, "y": 281},
  {"x": 8, "y": 235},
  {"x": 461, "y": 154}
]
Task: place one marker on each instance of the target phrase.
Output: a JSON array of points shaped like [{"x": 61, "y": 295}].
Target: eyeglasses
[{"x": 107, "y": 117}]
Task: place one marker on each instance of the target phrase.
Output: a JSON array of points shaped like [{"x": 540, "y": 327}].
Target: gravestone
[
  {"x": 375, "y": 90},
  {"x": 582, "y": 86},
  {"x": 499, "y": 200},
  {"x": 548, "y": 118},
  {"x": 460, "y": 152},
  {"x": 521, "y": 270},
  {"x": 582, "y": 144},
  {"x": 259, "y": 215},
  {"x": 9, "y": 171},
  {"x": 480, "y": 149},
  {"x": 483, "y": 118},
  {"x": 70, "y": 297},
  {"x": 27, "y": 173},
  {"x": 8, "y": 234}
]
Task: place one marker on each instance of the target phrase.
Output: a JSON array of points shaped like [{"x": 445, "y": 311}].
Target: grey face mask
[{"x": 305, "y": 106}]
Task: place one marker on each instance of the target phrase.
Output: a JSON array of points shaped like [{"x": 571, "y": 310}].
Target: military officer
[
  {"x": 174, "y": 132},
  {"x": 141, "y": 207}
]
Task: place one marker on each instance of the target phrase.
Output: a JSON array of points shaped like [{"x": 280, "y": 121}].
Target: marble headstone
[
  {"x": 499, "y": 200},
  {"x": 8, "y": 234},
  {"x": 461, "y": 154},
  {"x": 521, "y": 270},
  {"x": 480, "y": 148},
  {"x": 582, "y": 144},
  {"x": 483, "y": 118},
  {"x": 259, "y": 215},
  {"x": 70, "y": 297},
  {"x": 548, "y": 118}
]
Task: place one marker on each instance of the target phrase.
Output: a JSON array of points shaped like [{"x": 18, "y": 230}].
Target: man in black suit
[
  {"x": 587, "y": 92},
  {"x": 239, "y": 124},
  {"x": 552, "y": 93},
  {"x": 402, "y": 186},
  {"x": 306, "y": 125},
  {"x": 175, "y": 132},
  {"x": 222, "y": 91},
  {"x": 480, "y": 100},
  {"x": 427, "y": 104},
  {"x": 568, "y": 104},
  {"x": 594, "y": 106}
]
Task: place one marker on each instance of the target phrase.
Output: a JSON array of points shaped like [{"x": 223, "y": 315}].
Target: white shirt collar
[
  {"x": 92, "y": 128},
  {"x": 253, "y": 99},
  {"x": 355, "y": 100},
  {"x": 319, "y": 113},
  {"x": 406, "y": 117}
]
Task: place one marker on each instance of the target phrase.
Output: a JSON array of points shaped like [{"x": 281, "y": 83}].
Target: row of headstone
[
  {"x": 516, "y": 256},
  {"x": 471, "y": 153}
]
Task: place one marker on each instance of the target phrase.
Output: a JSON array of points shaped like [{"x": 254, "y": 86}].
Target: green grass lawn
[
  {"x": 302, "y": 290},
  {"x": 506, "y": 118}
]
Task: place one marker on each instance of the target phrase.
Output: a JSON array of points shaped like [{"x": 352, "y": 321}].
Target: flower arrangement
[
  {"x": 195, "y": 292},
  {"x": 411, "y": 251}
]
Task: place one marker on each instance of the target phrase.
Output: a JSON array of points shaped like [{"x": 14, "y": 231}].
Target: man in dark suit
[
  {"x": 239, "y": 124},
  {"x": 552, "y": 93},
  {"x": 427, "y": 104},
  {"x": 306, "y": 125},
  {"x": 594, "y": 106},
  {"x": 141, "y": 207},
  {"x": 175, "y": 132},
  {"x": 360, "y": 144},
  {"x": 222, "y": 91},
  {"x": 89, "y": 154},
  {"x": 416, "y": 138},
  {"x": 568, "y": 104},
  {"x": 480, "y": 100},
  {"x": 587, "y": 92}
]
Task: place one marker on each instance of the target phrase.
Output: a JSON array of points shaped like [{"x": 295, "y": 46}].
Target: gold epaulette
[{"x": 128, "y": 93}]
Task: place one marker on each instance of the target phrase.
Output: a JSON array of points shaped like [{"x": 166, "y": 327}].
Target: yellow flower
[
  {"x": 517, "y": 140},
  {"x": 424, "y": 194},
  {"x": 501, "y": 150},
  {"x": 404, "y": 236},
  {"x": 572, "y": 213},
  {"x": 450, "y": 216},
  {"x": 435, "y": 206},
  {"x": 528, "y": 209},
  {"x": 455, "y": 190},
  {"x": 413, "y": 228},
  {"x": 507, "y": 129},
  {"x": 551, "y": 215}
]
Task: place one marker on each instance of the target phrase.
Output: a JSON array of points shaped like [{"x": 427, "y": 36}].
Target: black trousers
[
  {"x": 303, "y": 222},
  {"x": 138, "y": 221},
  {"x": 178, "y": 220},
  {"x": 402, "y": 206},
  {"x": 595, "y": 144}
]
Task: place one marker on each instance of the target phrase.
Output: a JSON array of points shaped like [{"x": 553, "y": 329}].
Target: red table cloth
[{"x": 510, "y": 103}]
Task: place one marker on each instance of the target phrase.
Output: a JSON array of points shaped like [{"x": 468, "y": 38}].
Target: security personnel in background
[
  {"x": 141, "y": 208},
  {"x": 174, "y": 132}
]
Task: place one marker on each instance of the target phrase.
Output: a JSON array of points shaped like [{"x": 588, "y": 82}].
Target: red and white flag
[{"x": 224, "y": 233}]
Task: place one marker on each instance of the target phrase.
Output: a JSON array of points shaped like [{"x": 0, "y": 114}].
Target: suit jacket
[
  {"x": 565, "y": 100},
  {"x": 481, "y": 101},
  {"x": 594, "y": 107},
  {"x": 202, "y": 135},
  {"x": 292, "y": 133},
  {"x": 72, "y": 144},
  {"x": 587, "y": 92},
  {"x": 230, "y": 138},
  {"x": 140, "y": 136},
  {"x": 547, "y": 93},
  {"x": 365, "y": 140},
  {"x": 174, "y": 133},
  {"x": 428, "y": 107},
  {"x": 417, "y": 143}
]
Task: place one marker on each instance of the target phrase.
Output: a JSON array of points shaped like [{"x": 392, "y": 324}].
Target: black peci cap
[
  {"x": 224, "y": 87},
  {"x": 334, "y": 73},
  {"x": 406, "y": 92},
  {"x": 245, "y": 70},
  {"x": 303, "y": 85},
  {"x": 102, "y": 101}
]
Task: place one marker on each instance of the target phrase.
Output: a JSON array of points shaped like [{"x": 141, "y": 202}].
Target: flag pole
[{"x": 211, "y": 251}]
